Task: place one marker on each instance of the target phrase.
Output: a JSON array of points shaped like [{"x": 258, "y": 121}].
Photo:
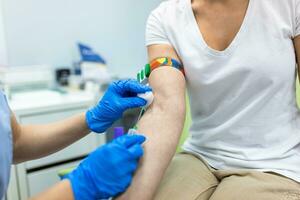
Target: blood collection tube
[{"x": 118, "y": 132}]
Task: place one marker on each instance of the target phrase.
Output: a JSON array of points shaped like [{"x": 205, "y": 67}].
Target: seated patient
[{"x": 239, "y": 61}]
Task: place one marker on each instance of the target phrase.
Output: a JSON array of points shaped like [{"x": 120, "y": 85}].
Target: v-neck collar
[{"x": 199, "y": 37}]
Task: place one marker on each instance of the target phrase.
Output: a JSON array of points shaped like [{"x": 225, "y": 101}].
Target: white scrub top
[{"x": 5, "y": 145}]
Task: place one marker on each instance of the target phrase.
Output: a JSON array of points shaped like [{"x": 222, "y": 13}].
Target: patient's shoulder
[{"x": 170, "y": 7}]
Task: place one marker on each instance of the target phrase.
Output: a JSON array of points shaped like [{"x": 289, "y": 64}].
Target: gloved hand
[
  {"x": 107, "y": 171},
  {"x": 120, "y": 96}
]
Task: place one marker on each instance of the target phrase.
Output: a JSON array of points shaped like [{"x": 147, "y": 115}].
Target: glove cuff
[
  {"x": 88, "y": 119},
  {"x": 81, "y": 187}
]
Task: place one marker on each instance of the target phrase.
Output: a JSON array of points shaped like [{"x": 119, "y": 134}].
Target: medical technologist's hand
[
  {"x": 120, "y": 96},
  {"x": 107, "y": 171}
]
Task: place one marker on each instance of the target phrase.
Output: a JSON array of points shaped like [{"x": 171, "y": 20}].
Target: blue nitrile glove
[
  {"x": 120, "y": 96},
  {"x": 107, "y": 171}
]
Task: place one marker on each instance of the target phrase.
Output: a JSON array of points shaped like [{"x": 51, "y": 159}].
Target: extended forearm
[
  {"x": 162, "y": 124},
  {"x": 162, "y": 139},
  {"x": 35, "y": 141}
]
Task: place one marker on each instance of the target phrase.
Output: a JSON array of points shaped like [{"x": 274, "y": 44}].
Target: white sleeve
[
  {"x": 297, "y": 17},
  {"x": 155, "y": 32}
]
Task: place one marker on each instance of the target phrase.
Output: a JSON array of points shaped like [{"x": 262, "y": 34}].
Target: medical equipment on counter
[
  {"x": 97, "y": 72},
  {"x": 75, "y": 82},
  {"x": 93, "y": 66},
  {"x": 89, "y": 55},
  {"x": 62, "y": 76},
  {"x": 15, "y": 79},
  {"x": 26, "y": 85}
]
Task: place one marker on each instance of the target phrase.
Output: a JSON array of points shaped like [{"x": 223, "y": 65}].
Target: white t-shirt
[{"x": 243, "y": 98}]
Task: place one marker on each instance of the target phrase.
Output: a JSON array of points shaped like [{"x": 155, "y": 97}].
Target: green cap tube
[
  {"x": 142, "y": 75},
  {"x": 138, "y": 77},
  {"x": 147, "y": 70}
]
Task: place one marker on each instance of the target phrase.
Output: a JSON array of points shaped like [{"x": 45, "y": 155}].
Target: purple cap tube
[{"x": 118, "y": 132}]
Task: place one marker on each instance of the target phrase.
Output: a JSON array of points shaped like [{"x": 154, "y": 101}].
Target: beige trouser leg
[
  {"x": 253, "y": 185},
  {"x": 187, "y": 178}
]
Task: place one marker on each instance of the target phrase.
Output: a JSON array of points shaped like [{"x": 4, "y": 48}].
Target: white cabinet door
[
  {"x": 12, "y": 191},
  {"x": 41, "y": 180}
]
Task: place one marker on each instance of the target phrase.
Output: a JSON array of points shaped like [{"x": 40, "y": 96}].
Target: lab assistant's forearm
[
  {"x": 60, "y": 191},
  {"x": 36, "y": 141},
  {"x": 162, "y": 125}
]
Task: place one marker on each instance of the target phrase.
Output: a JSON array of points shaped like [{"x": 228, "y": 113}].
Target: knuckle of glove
[
  {"x": 118, "y": 86},
  {"x": 116, "y": 155},
  {"x": 113, "y": 85},
  {"x": 119, "y": 105},
  {"x": 137, "y": 151}
]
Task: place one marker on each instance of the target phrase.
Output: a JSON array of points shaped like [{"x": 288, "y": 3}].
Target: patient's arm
[{"x": 162, "y": 124}]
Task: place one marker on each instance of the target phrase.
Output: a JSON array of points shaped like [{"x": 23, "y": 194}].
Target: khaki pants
[{"x": 190, "y": 178}]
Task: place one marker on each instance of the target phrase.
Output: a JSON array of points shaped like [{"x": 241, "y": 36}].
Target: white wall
[
  {"x": 46, "y": 31},
  {"x": 3, "y": 56}
]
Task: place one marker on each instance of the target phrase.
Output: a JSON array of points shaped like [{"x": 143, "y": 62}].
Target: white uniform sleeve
[
  {"x": 297, "y": 27},
  {"x": 155, "y": 32}
]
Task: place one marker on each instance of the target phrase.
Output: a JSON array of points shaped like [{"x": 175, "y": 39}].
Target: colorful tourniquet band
[
  {"x": 156, "y": 63},
  {"x": 143, "y": 74}
]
